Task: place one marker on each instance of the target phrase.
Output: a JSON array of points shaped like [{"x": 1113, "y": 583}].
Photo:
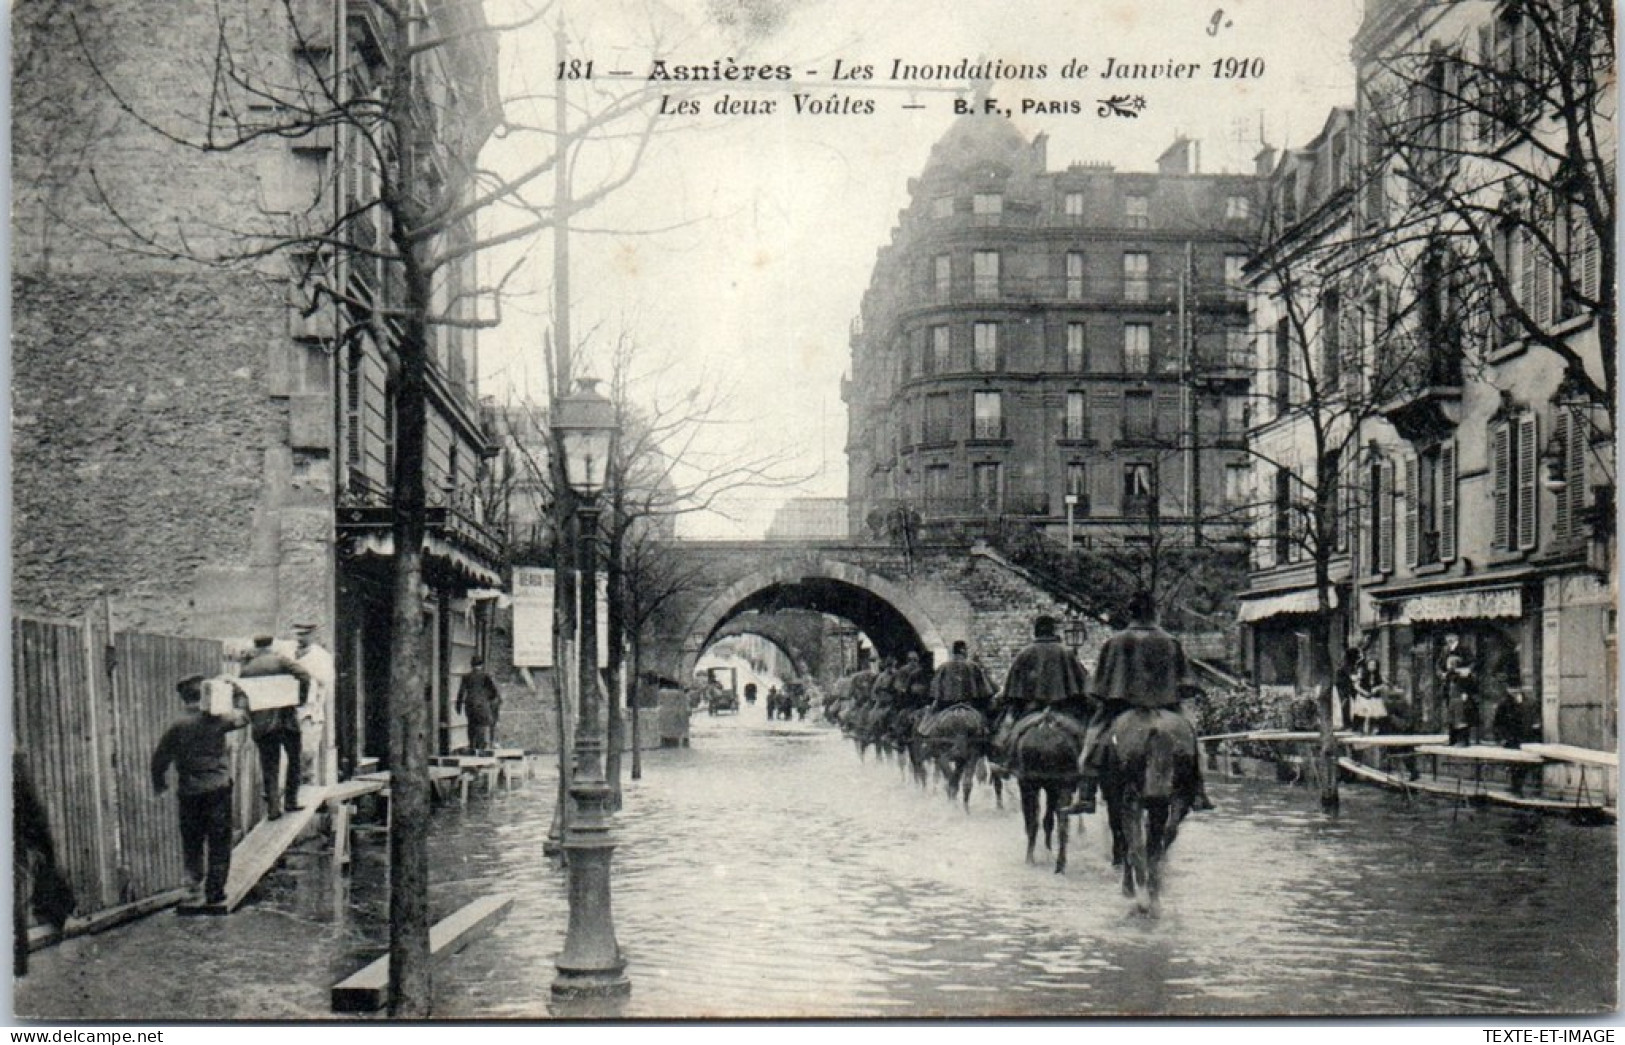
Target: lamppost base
[{"x": 599, "y": 983}]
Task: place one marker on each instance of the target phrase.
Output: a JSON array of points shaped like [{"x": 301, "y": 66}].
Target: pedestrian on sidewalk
[
  {"x": 479, "y": 696},
  {"x": 314, "y": 658},
  {"x": 276, "y": 730},
  {"x": 196, "y": 746}
]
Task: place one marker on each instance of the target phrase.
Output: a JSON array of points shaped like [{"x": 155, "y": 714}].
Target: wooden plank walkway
[
  {"x": 1481, "y": 753},
  {"x": 367, "y": 990},
  {"x": 1584, "y": 756},
  {"x": 1397, "y": 740}
]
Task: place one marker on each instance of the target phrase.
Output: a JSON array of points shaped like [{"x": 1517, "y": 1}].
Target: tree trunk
[
  {"x": 616, "y": 629},
  {"x": 637, "y": 737},
  {"x": 409, "y": 980}
]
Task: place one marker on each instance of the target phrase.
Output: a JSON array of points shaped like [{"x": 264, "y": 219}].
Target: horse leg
[
  {"x": 1049, "y": 819},
  {"x": 1057, "y": 795},
  {"x": 1156, "y": 841},
  {"x": 998, "y": 788},
  {"x": 1136, "y": 875},
  {"x": 1029, "y": 814},
  {"x": 968, "y": 778}
]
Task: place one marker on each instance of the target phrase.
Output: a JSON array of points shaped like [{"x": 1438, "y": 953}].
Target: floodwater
[{"x": 769, "y": 871}]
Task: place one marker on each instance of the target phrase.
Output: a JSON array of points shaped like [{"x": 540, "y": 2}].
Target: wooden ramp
[
  {"x": 1400, "y": 740},
  {"x": 260, "y": 850},
  {"x": 1581, "y": 756},
  {"x": 1466, "y": 790},
  {"x": 368, "y": 989}
]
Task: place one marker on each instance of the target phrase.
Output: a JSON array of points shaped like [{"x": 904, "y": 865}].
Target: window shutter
[
  {"x": 1264, "y": 533},
  {"x": 1540, "y": 263},
  {"x": 1340, "y": 504},
  {"x": 1385, "y": 536},
  {"x": 1574, "y": 469},
  {"x": 1527, "y": 491},
  {"x": 1447, "y": 501},
  {"x": 1413, "y": 534},
  {"x": 1526, "y": 252},
  {"x": 1501, "y": 483},
  {"x": 1586, "y": 258}
]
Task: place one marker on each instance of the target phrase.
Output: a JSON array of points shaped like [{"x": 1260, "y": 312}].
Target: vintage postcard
[{"x": 813, "y": 509}]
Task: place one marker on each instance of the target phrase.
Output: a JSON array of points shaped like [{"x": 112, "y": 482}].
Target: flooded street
[{"x": 768, "y": 871}]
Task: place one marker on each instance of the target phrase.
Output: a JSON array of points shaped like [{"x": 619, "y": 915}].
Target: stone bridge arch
[{"x": 884, "y": 610}]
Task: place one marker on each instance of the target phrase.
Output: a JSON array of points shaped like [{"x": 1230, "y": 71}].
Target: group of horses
[
  {"x": 792, "y": 701},
  {"x": 1147, "y": 778}
]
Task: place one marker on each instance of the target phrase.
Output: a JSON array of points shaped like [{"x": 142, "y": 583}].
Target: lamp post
[{"x": 591, "y": 965}]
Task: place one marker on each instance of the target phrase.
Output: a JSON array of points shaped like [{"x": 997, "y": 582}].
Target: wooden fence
[{"x": 87, "y": 714}]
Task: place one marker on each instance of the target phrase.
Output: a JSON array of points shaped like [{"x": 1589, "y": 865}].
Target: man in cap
[
  {"x": 196, "y": 746},
  {"x": 478, "y": 694},
  {"x": 315, "y": 659},
  {"x": 961, "y": 682},
  {"x": 1045, "y": 675},
  {"x": 1140, "y": 666},
  {"x": 276, "y": 730}
]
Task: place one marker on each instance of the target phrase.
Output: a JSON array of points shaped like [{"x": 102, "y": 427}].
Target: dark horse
[
  {"x": 1149, "y": 780},
  {"x": 956, "y": 740},
  {"x": 1044, "y": 758}
]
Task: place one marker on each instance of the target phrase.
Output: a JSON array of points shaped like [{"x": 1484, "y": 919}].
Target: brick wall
[{"x": 148, "y": 456}]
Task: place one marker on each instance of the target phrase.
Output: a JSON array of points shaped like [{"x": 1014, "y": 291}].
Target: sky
[{"x": 737, "y": 255}]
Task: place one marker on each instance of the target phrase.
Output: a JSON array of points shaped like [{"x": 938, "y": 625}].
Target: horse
[
  {"x": 1148, "y": 778},
  {"x": 956, "y": 739},
  {"x": 1044, "y": 754}
]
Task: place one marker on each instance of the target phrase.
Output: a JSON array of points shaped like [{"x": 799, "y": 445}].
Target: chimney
[
  {"x": 1041, "y": 151},
  {"x": 1264, "y": 162},
  {"x": 1176, "y": 159}
]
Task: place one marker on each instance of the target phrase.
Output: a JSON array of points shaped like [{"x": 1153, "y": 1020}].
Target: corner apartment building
[
  {"x": 205, "y": 419},
  {"x": 1040, "y": 345},
  {"x": 1479, "y": 502}
]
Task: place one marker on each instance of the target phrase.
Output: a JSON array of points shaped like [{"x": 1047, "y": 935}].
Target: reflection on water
[{"x": 769, "y": 871}]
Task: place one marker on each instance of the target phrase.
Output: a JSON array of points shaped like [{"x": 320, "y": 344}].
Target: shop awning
[
  {"x": 1280, "y": 605},
  {"x": 382, "y": 545},
  {"x": 1461, "y": 605}
]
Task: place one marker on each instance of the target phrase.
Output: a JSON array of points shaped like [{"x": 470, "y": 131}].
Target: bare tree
[{"x": 1495, "y": 140}]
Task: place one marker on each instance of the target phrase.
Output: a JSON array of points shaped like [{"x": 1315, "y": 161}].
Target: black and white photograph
[{"x": 633, "y": 511}]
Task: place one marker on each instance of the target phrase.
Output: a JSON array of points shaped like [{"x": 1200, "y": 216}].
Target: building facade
[
  {"x": 1479, "y": 494},
  {"x": 206, "y": 337},
  {"x": 1063, "y": 349}
]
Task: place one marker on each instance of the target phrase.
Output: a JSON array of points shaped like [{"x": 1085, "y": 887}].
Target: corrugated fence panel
[
  {"x": 52, "y": 711},
  {"x": 144, "y": 704}
]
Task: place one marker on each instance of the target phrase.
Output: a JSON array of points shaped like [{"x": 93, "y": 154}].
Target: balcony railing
[{"x": 988, "y": 428}]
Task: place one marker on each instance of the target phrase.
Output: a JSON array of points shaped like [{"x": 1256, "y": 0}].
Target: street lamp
[
  {"x": 1076, "y": 631},
  {"x": 591, "y": 965}
]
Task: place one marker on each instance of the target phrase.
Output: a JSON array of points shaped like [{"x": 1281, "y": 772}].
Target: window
[
  {"x": 938, "y": 418},
  {"x": 1286, "y": 200},
  {"x": 1075, "y": 357},
  {"x": 1137, "y": 212},
  {"x": 1074, "y": 276},
  {"x": 1072, "y": 207},
  {"x": 1281, "y": 517},
  {"x": 936, "y": 483},
  {"x": 1238, "y": 348},
  {"x": 1330, "y": 477},
  {"x": 986, "y": 207},
  {"x": 1235, "y": 279},
  {"x": 1139, "y": 422},
  {"x": 1331, "y": 346},
  {"x": 1237, "y": 208},
  {"x": 1139, "y": 491},
  {"x": 1430, "y": 506},
  {"x": 1283, "y": 365},
  {"x": 987, "y": 415},
  {"x": 985, "y": 273},
  {"x": 1074, "y": 423},
  {"x": 1234, "y": 419},
  {"x": 1077, "y": 483},
  {"x": 1235, "y": 485},
  {"x": 1514, "y": 459},
  {"x": 987, "y": 486},
  {"x": 938, "y": 360},
  {"x": 942, "y": 207},
  {"x": 1136, "y": 277},
  {"x": 942, "y": 275},
  {"x": 1137, "y": 348},
  {"x": 1441, "y": 314},
  {"x": 1434, "y": 117},
  {"x": 985, "y": 348}
]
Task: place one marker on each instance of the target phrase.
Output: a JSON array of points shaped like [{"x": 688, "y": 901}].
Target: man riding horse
[
  {"x": 961, "y": 682},
  {"x": 1141, "y": 666},
  {"x": 1044, "y": 676}
]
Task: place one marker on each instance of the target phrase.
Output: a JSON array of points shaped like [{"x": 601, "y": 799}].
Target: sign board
[
  {"x": 533, "y": 589},
  {"x": 532, "y": 617}
]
